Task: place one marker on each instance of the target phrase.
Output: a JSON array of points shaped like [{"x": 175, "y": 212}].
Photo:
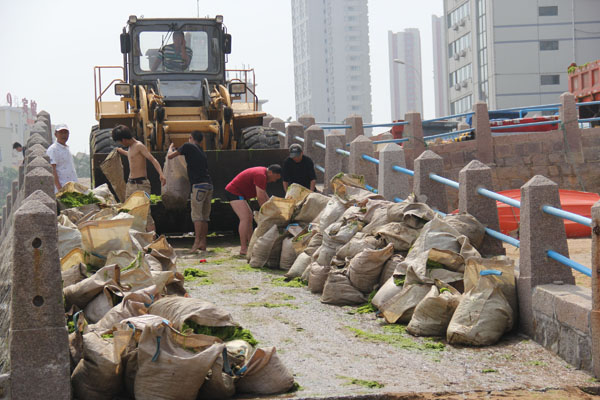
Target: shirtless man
[{"x": 137, "y": 154}]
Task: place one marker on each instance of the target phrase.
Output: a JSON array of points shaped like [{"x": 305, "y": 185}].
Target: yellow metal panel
[
  {"x": 112, "y": 107},
  {"x": 188, "y": 126}
]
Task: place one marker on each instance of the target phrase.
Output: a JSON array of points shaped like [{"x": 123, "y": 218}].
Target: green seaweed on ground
[
  {"x": 488, "y": 371},
  {"x": 124, "y": 210},
  {"x": 362, "y": 382},
  {"x": 295, "y": 282},
  {"x": 284, "y": 296},
  {"x": 537, "y": 363},
  {"x": 76, "y": 199},
  {"x": 271, "y": 305},
  {"x": 247, "y": 268},
  {"x": 108, "y": 336},
  {"x": 442, "y": 290},
  {"x": 225, "y": 333},
  {"x": 368, "y": 307},
  {"x": 194, "y": 273},
  {"x": 218, "y": 249},
  {"x": 295, "y": 388},
  {"x": 395, "y": 334},
  {"x": 220, "y": 261},
  {"x": 204, "y": 281},
  {"x": 254, "y": 290}
]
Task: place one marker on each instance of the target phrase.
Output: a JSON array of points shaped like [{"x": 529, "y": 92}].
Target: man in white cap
[{"x": 61, "y": 159}]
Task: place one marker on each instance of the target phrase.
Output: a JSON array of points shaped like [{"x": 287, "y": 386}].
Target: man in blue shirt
[{"x": 202, "y": 188}]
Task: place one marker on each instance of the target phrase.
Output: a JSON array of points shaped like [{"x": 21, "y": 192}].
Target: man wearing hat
[
  {"x": 298, "y": 168},
  {"x": 61, "y": 159}
]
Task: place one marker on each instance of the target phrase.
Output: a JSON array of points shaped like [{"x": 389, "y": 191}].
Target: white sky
[{"x": 49, "y": 50}]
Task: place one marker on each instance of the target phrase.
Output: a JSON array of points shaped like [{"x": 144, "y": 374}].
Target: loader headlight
[
  {"x": 236, "y": 88},
  {"x": 123, "y": 89},
  {"x": 219, "y": 19}
]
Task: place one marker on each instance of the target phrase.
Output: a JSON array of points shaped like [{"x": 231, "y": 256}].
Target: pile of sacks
[
  {"x": 134, "y": 330},
  {"x": 416, "y": 267}
]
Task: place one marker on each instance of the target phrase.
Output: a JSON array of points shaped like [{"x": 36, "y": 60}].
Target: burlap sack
[
  {"x": 378, "y": 219},
  {"x": 275, "y": 211},
  {"x": 74, "y": 275},
  {"x": 388, "y": 290},
  {"x": 133, "y": 305},
  {"x": 334, "y": 237},
  {"x": 339, "y": 291},
  {"x": 400, "y": 308},
  {"x": 364, "y": 269},
  {"x": 297, "y": 193},
  {"x": 505, "y": 281},
  {"x": 81, "y": 293},
  {"x": 265, "y": 374},
  {"x": 299, "y": 266},
  {"x": 317, "y": 275},
  {"x": 101, "y": 237},
  {"x": 263, "y": 246},
  {"x": 312, "y": 206},
  {"x": 180, "y": 309},
  {"x": 217, "y": 385},
  {"x": 138, "y": 205},
  {"x": 332, "y": 211},
  {"x": 161, "y": 250},
  {"x": 112, "y": 168},
  {"x": 482, "y": 316},
  {"x": 176, "y": 192},
  {"x": 398, "y": 234},
  {"x": 288, "y": 254},
  {"x": 467, "y": 225},
  {"x": 102, "y": 303},
  {"x": 432, "y": 315},
  {"x": 315, "y": 242},
  {"x": 393, "y": 266},
  {"x": 69, "y": 237},
  {"x": 358, "y": 243}
]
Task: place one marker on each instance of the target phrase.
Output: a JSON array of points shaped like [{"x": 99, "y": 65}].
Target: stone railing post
[
  {"x": 483, "y": 133},
  {"x": 429, "y": 162},
  {"x": 538, "y": 233},
  {"x": 306, "y": 121},
  {"x": 9, "y": 204},
  {"x": 39, "y": 179},
  {"x": 333, "y": 160},
  {"x": 311, "y": 135},
  {"x": 45, "y": 116},
  {"x": 39, "y": 349},
  {"x": 358, "y": 165},
  {"x": 473, "y": 176},
  {"x": 36, "y": 138},
  {"x": 4, "y": 214},
  {"x": 595, "y": 313},
  {"x": 279, "y": 125},
  {"x": 15, "y": 190},
  {"x": 570, "y": 125},
  {"x": 356, "y": 128},
  {"x": 414, "y": 132},
  {"x": 21, "y": 175},
  {"x": 267, "y": 120},
  {"x": 293, "y": 129},
  {"x": 392, "y": 183},
  {"x": 37, "y": 150}
]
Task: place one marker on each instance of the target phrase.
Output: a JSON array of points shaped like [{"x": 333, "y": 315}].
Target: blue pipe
[
  {"x": 543, "y": 106},
  {"x": 557, "y": 212},
  {"x": 391, "y": 141},
  {"x": 298, "y": 138},
  {"x": 371, "y": 188},
  {"x": 317, "y": 166},
  {"x": 370, "y": 159},
  {"x": 385, "y": 125},
  {"x": 336, "y": 127},
  {"x": 403, "y": 170},
  {"x": 569, "y": 263},
  {"x": 450, "y": 117},
  {"x": 588, "y": 103},
  {"x": 398, "y": 200},
  {"x": 505, "y": 238},
  {"x": 589, "y": 119},
  {"x": 342, "y": 152},
  {"x": 281, "y": 134},
  {"x": 439, "y": 135},
  {"x": 499, "y": 197},
  {"x": 444, "y": 181},
  {"x": 321, "y": 145},
  {"x": 554, "y": 122}
]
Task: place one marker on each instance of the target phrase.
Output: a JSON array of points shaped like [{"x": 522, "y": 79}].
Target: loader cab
[{"x": 175, "y": 57}]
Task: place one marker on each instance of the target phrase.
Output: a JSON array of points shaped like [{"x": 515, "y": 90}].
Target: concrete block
[
  {"x": 483, "y": 133},
  {"x": 392, "y": 183},
  {"x": 39, "y": 179},
  {"x": 306, "y": 121},
  {"x": 36, "y": 297},
  {"x": 35, "y": 149},
  {"x": 472, "y": 177},
  {"x": 574, "y": 308},
  {"x": 333, "y": 160},
  {"x": 543, "y": 300},
  {"x": 38, "y": 162},
  {"x": 317, "y": 154},
  {"x": 36, "y": 138},
  {"x": 40, "y": 364},
  {"x": 277, "y": 123},
  {"x": 267, "y": 120},
  {"x": 356, "y": 130},
  {"x": 585, "y": 353},
  {"x": 43, "y": 198},
  {"x": 569, "y": 115},
  {"x": 414, "y": 132},
  {"x": 568, "y": 342},
  {"x": 524, "y": 296},
  {"x": 358, "y": 165},
  {"x": 429, "y": 162},
  {"x": 292, "y": 130}
]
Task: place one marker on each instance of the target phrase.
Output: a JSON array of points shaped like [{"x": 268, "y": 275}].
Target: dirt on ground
[{"x": 338, "y": 352}]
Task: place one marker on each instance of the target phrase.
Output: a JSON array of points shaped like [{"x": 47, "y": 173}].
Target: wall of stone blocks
[{"x": 561, "y": 322}]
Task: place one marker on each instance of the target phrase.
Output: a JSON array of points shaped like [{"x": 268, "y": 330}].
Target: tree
[
  {"x": 8, "y": 175},
  {"x": 82, "y": 165}
]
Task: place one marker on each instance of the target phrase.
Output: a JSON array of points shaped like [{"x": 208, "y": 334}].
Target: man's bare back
[{"x": 137, "y": 154}]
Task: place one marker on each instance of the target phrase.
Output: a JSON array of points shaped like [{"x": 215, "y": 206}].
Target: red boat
[
  {"x": 571, "y": 200},
  {"x": 512, "y": 125}
]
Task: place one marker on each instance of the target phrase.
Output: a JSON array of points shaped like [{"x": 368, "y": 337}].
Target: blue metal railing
[
  {"x": 569, "y": 263},
  {"x": 453, "y": 133},
  {"x": 386, "y": 125},
  {"x": 329, "y": 127},
  {"x": 320, "y": 168},
  {"x": 588, "y": 103},
  {"x": 444, "y": 181},
  {"x": 370, "y": 159},
  {"x": 589, "y": 119},
  {"x": 403, "y": 170},
  {"x": 499, "y": 197},
  {"x": 390, "y": 141},
  {"x": 557, "y": 212},
  {"x": 371, "y": 188},
  {"x": 282, "y": 134},
  {"x": 320, "y": 145},
  {"x": 298, "y": 138},
  {"x": 342, "y": 152},
  {"x": 450, "y": 117}
]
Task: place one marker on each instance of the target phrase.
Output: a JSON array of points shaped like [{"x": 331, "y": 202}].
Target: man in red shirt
[{"x": 249, "y": 184}]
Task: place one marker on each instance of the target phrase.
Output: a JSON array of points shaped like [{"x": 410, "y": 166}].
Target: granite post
[
  {"x": 279, "y": 125},
  {"x": 392, "y": 183},
  {"x": 539, "y": 232},
  {"x": 356, "y": 128},
  {"x": 39, "y": 348},
  {"x": 267, "y": 120},
  {"x": 306, "y": 121},
  {"x": 473, "y": 176},
  {"x": 39, "y": 179},
  {"x": 333, "y": 160},
  {"x": 483, "y": 133},
  {"x": 595, "y": 313},
  {"x": 414, "y": 132},
  {"x": 427, "y": 163},
  {"x": 293, "y": 129},
  {"x": 15, "y": 190},
  {"x": 570, "y": 125},
  {"x": 358, "y": 165},
  {"x": 317, "y": 154}
]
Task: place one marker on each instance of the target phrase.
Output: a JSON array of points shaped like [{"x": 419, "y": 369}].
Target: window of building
[
  {"x": 548, "y": 45},
  {"x": 462, "y": 43},
  {"x": 548, "y": 11},
  {"x": 462, "y": 105},
  {"x": 454, "y": 17},
  {"x": 460, "y": 75},
  {"x": 550, "y": 79}
]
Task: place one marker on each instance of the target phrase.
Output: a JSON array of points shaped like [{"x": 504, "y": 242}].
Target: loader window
[{"x": 164, "y": 52}]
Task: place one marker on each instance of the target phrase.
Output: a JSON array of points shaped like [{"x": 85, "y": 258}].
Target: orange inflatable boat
[{"x": 571, "y": 200}]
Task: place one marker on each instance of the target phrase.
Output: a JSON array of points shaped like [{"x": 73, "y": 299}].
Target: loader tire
[
  {"x": 101, "y": 141},
  {"x": 260, "y": 137}
]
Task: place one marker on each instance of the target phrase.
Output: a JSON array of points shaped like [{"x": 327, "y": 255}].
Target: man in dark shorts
[
  {"x": 248, "y": 184},
  {"x": 298, "y": 168},
  {"x": 202, "y": 188}
]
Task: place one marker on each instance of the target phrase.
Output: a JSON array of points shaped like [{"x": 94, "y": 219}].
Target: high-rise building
[
  {"x": 440, "y": 73},
  {"x": 406, "y": 79},
  {"x": 331, "y": 59},
  {"x": 14, "y": 127},
  {"x": 514, "y": 53}
]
